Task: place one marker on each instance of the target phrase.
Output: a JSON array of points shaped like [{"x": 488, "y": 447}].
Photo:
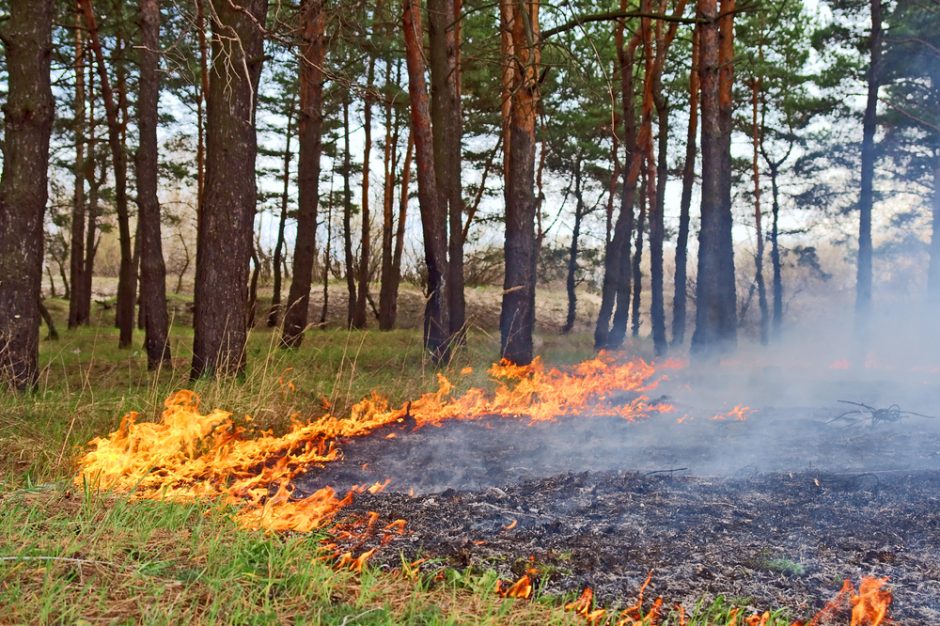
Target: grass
[{"x": 69, "y": 555}]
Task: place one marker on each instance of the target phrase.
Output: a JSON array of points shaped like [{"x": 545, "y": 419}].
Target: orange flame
[
  {"x": 584, "y": 606},
  {"x": 188, "y": 455},
  {"x": 521, "y": 589},
  {"x": 869, "y": 605}
]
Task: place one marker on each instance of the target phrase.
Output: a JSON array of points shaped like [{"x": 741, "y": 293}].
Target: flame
[
  {"x": 738, "y": 413},
  {"x": 189, "y": 455},
  {"x": 584, "y": 606},
  {"x": 869, "y": 604},
  {"x": 521, "y": 589}
]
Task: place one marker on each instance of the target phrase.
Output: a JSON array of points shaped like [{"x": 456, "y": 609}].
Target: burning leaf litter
[{"x": 188, "y": 455}]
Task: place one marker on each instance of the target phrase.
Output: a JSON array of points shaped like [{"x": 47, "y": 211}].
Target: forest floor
[{"x": 70, "y": 554}]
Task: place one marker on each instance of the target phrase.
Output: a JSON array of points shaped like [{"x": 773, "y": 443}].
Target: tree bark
[
  {"x": 395, "y": 278},
  {"x": 152, "y": 267},
  {"x": 392, "y": 129},
  {"x": 274, "y": 313},
  {"x": 127, "y": 276},
  {"x": 716, "y": 314},
  {"x": 225, "y": 246},
  {"x": 310, "y": 137},
  {"x": 436, "y": 337},
  {"x": 347, "y": 221},
  {"x": 680, "y": 295},
  {"x": 77, "y": 244},
  {"x": 615, "y": 291},
  {"x": 758, "y": 214},
  {"x": 866, "y": 193},
  {"x": 446, "y": 117},
  {"x": 571, "y": 277},
  {"x": 365, "y": 241},
  {"x": 636, "y": 268},
  {"x": 517, "y": 314},
  {"x": 28, "y": 117}
]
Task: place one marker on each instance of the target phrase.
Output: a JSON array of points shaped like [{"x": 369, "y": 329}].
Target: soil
[{"x": 774, "y": 511}]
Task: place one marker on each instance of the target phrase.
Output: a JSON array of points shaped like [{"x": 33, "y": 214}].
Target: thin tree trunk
[
  {"x": 274, "y": 313},
  {"x": 347, "y": 221},
  {"x": 517, "y": 314},
  {"x": 310, "y": 137},
  {"x": 52, "y": 334},
  {"x": 152, "y": 267},
  {"x": 759, "y": 215},
  {"x": 327, "y": 258},
  {"x": 252, "y": 315},
  {"x": 386, "y": 317},
  {"x": 95, "y": 182},
  {"x": 680, "y": 295},
  {"x": 436, "y": 336},
  {"x": 571, "y": 278},
  {"x": 77, "y": 244},
  {"x": 28, "y": 115},
  {"x": 716, "y": 314},
  {"x": 127, "y": 276},
  {"x": 365, "y": 242},
  {"x": 229, "y": 202},
  {"x": 866, "y": 194},
  {"x": 615, "y": 291},
  {"x": 933, "y": 270},
  {"x": 446, "y": 119},
  {"x": 775, "y": 253},
  {"x": 637, "y": 267},
  {"x": 400, "y": 227}
]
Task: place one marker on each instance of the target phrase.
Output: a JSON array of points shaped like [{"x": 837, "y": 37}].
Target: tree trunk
[
  {"x": 517, "y": 315},
  {"x": 203, "y": 93},
  {"x": 436, "y": 339},
  {"x": 310, "y": 137},
  {"x": 866, "y": 194},
  {"x": 775, "y": 253},
  {"x": 28, "y": 117},
  {"x": 759, "y": 215},
  {"x": 77, "y": 244},
  {"x": 507, "y": 54},
  {"x": 327, "y": 257},
  {"x": 933, "y": 270},
  {"x": 400, "y": 229},
  {"x": 225, "y": 246},
  {"x": 52, "y": 334},
  {"x": 252, "y": 314},
  {"x": 365, "y": 242},
  {"x": 274, "y": 313},
  {"x": 680, "y": 295},
  {"x": 347, "y": 221},
  {"x": 615, "y": 291},
  {"x": 716, "y": 315},
  {"x": 446, "y": 117},
  {"x": 152, "y": 267},
  {"x": 127, "y": 276},
  {"x": 637, "y": 267},
  {"x": 386, "y": 315},
  {"x": 571, "y": 278}
]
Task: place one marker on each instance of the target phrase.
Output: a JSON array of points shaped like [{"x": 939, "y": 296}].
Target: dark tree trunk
[
  {"x": 52, "y": 334},
  {"x": 252, "y": 315},
  {"x": 571, "y": 278},
  {"x": 274, "y": 313},
  {"x": 637, "y": 266},
  {"x": 395, "y": 275},
  {"x": 228, "y": 211},
  {"x": 77, "y": 244},
  {"x": 716, "y": 315},
  {"x": 866, "y": 194},
  {"x": 615, "y": 292},
  {"x": 347, "y": 221},
  {"x": 758, "y": 215},
  {"x": 127, "y": 275},
  {"x": 392, "y": 130},
  {"x": 933, "y": 271},
  {"x": 777, "y": 323},
  {"x": 434, "y": 228},
  {"x": 95, "y": 180},
  {"x": 310, "y": 137},
  {"x": 680, "y": 295},
  {"x": 517, "y": 315},
  {"x": 28, "y": 116},
  {"x": 365, "y": 242},
  {"x": 152, "y": 267},
  {"x": 327, "y": 260},
  {"x": 446, "y": 116}
]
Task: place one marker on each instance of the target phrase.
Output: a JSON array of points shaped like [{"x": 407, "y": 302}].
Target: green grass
[{"x": 74, "y": 556}]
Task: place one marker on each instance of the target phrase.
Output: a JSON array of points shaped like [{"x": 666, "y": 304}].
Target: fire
[
  {"x": 584, "y": 606},
  {"x": 869, "y": 605},
  {"x": 521, "y": 589},
  {"x": 738, "y": 413},
  {"x": 189, "y": 455}
]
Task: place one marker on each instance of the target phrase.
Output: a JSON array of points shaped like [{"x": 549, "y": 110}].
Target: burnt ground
[{"x": 774, "y": 511}]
